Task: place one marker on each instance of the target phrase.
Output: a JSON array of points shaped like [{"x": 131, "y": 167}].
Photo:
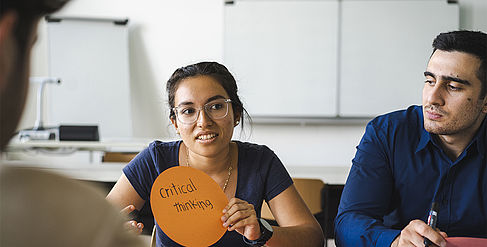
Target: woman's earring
[
  {"x": 177, "y": 131},
  {"x": 236, "y": 123}
]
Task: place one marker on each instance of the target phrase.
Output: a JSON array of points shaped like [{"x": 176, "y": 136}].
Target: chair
[
  {"x": 118, "y": 157},
  {"x": 322, "y": 200}
]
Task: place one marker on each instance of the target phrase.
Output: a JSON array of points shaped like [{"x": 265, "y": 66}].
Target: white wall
[
  {"x": 163, "y": 35},
  {"x": 169, "y": 34},
  {"x": 473, "y": 14}
]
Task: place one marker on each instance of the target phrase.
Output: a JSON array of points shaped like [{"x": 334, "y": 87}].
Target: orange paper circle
[{"x": 187, "y": 205}]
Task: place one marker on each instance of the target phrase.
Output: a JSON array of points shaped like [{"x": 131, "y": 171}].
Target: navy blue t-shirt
[{"x": 261, "y": 176}]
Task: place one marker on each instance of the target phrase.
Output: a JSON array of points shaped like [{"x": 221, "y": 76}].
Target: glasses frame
[{"x": 226, "y": 101}]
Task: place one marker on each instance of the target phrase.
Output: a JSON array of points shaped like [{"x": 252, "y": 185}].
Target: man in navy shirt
[{"x": 436, "y": 152}]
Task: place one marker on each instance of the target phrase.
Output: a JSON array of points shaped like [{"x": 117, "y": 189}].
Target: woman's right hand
[{"x": 131, "y": 225}]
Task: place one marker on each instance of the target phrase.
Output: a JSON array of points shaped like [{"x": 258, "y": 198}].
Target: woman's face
[{"x": 207, "y": 137}]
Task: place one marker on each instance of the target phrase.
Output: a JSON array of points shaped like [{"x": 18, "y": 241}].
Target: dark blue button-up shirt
[{"x": 398, "y": 171}]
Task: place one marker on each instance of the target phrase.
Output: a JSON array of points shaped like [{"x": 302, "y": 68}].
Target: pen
[{"x": 432, "y": 219}]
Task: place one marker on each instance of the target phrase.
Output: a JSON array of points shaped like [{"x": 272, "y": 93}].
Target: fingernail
[
  {"x": 139, "y": 225},
  {"x": 224, "y": 210},
  {"x": 225, "y": 224},
  {"x": 131, "y": 207},
  {"x": 133, "y": 224}
]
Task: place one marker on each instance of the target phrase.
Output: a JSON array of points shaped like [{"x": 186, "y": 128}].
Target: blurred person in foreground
[{"x": 38, "y": 208}]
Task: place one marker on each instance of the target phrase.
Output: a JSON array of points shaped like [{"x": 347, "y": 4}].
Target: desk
[
  {"x": 106, "y": 146},
  {"x": 75, "y": 159},
  {"x": 56, "y": 156},
  {"x": 103, "y": 172},
  {"x": 15, "y": 149},
  {"x": 110, "y": 172}
]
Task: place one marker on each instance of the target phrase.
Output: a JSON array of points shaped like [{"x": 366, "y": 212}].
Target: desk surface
[
  {"x": 102, "y": 172},
  {"x": 110, "y": 172},
  {"x": 108, "y": 146}
]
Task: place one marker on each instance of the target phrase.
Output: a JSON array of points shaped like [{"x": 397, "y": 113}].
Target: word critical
[
  {"x": 193, "y": 204},
  {"x": 176, "y": 190}
]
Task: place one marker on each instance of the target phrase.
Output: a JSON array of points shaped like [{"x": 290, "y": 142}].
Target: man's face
[{"x": 452, "y": 103}]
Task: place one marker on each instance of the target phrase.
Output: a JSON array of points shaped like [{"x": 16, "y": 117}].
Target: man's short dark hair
[{"x": 472, "y": 42}]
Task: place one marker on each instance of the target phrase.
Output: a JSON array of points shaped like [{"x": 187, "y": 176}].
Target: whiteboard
[
  {"x": 283, "y": 55},
  {"x": 344, "y": 59},
  {"x": 385, "y": 46},
  {"x": 91, "y": 58}
]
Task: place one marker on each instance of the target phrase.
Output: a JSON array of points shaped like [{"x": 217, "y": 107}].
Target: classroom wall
[{"x": 165, "y": 35}]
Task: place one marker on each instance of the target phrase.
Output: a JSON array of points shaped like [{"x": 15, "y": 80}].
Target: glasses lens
[
  {"x": 186, "y": 114},
  {"x": 217, "y": 109}
]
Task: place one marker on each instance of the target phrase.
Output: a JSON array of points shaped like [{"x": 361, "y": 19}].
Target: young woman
[{"x": 204, "y": 109}]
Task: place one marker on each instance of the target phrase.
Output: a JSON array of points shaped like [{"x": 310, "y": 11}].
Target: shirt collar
[
  {"x": 424, "y": 139},
  {"x": 480, "y": 138}
]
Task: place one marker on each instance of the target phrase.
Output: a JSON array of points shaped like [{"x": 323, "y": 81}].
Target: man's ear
[{"x": 7, "y": 22}]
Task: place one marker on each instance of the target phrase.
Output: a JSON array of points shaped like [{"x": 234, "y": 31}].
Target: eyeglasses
[{"x": 216, "y": 109}]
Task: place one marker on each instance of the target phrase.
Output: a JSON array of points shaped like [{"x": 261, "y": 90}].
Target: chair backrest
[
  {"x": 118, "y": 157},
  {"x": 309, "y": 190},
  {"x": 322, "y": 200}
]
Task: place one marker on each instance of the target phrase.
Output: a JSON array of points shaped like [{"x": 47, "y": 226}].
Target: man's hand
[{"x": 415, "y": 232}]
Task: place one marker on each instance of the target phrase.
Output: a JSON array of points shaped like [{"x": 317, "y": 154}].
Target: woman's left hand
[{"x": 240, "y": 215}]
